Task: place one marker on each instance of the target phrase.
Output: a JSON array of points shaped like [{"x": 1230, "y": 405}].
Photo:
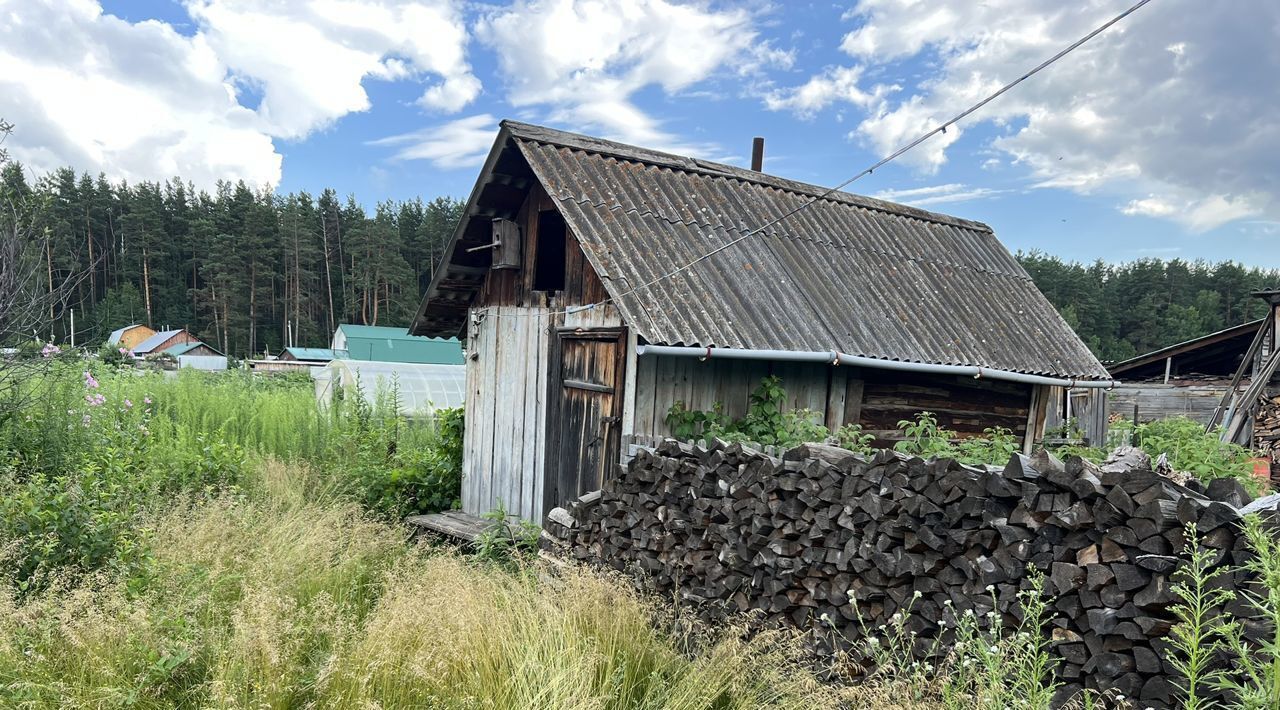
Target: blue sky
[{"x": 1159, "y": 139}]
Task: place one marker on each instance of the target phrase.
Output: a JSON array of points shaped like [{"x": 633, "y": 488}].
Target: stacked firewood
[
  {"x": 1266, "y": 432},
  {"x": 805, "y": 537}
]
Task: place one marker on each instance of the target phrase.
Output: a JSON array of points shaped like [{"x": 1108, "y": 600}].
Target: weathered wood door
[{"x": 588, "y": 433}]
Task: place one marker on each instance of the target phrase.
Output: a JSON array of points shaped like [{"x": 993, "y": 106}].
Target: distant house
[
  {"x": 389, "y": 344},
  {"x": 164, "y": 340},
  {"x": 130, "y": 336},
  {"x": 318, "y": 356},
  {"x": 196, "y": 355}
]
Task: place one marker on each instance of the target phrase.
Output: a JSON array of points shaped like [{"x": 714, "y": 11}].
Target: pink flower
[
  {"x": 49, "y": 350},
  {"x": 128, "y": 404},
  {"x": 146, "y": 400},
  {"x": 89, "y": 381}
]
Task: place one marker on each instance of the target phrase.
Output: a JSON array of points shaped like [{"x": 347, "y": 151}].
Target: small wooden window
[{"x": 548, "y": 268}]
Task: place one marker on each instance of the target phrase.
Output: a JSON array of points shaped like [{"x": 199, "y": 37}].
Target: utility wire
[{"x": 942, "y": 128}]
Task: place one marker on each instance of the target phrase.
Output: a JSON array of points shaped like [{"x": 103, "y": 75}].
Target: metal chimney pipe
[{"x": 757, "y": 154}]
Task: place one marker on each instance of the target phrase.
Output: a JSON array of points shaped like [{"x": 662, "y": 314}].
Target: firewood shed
[{"x": 571, "y": 278}]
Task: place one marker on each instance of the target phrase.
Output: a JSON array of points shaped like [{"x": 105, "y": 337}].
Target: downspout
[{"x": 835, "y": 358}]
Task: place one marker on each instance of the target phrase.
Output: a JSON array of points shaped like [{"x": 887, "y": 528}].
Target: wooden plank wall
[
  {"x": 1160, "y": 401},
  {"x": 877, "y": 399},
  {"x": 506, "y": 411}
]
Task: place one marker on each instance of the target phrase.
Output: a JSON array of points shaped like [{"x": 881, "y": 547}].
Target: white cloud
[
  {"x": 143, "y": 101},
  {"x": 582, "y": 61},
  {"x": 836, "y": 84},
  {"x": 138, "y": 101},
  {"x": 456, "y": 144},
  {"x": 1199, "y": 214},
  {"x": 1178, "y": 102},
  {"x": 938, "y": 194},
  {"x": 310, "y": 59}
]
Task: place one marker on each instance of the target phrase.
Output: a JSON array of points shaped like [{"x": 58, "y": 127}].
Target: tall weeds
[{"x": 300, "y": 600}]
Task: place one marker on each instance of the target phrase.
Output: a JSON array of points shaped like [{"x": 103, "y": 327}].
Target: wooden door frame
[{"x": 555, "y": 402}]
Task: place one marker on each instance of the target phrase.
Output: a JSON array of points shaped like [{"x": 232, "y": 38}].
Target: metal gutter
[{"x": 835, "y": 358}]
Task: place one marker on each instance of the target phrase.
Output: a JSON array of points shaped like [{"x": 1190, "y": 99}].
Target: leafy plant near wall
[
  {"x": 770, "y": 423},
  {"x": 505, "y": 541},
  {"x": 851, "y": 437},
  {"x": 1189, "y": 448},
  {"x": 766, "y": 422},
  {"x": 925, "y": 438}
]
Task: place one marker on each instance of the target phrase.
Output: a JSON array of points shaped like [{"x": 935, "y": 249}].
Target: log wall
[{"x": 820, "y": 530}]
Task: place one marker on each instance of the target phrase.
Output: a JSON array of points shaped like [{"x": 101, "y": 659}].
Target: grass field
[{"x": 208, "y": 542}]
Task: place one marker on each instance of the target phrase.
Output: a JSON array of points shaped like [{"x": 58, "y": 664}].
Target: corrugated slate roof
[
  {"x": 849, "y": 273},
  {"x": 155, "y": 341}
]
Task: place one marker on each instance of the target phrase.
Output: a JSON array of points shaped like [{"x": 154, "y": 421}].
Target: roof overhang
[
  {"x": 499, "y": 192},
  {"x": 1207, "y": 341}
]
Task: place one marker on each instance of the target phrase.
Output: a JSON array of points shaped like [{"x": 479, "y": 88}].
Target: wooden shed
[{"x": 576, "y": 281}]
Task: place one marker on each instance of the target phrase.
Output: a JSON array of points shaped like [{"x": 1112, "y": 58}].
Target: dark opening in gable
[{"x": 548, "y": 267}]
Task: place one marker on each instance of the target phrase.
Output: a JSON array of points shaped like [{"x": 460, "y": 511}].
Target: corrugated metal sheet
[
  {"x": 849, "y": 273},
  {"x": 390, "y": 344},
  {"x": 155, "y": 341},
  {"x": 312, "y": 354}
]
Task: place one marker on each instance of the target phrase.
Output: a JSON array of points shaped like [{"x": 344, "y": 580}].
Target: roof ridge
[{"x": 637, "y": 154}]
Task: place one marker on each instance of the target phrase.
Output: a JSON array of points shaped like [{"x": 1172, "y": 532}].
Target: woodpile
[
  {"x": 728, "y": 529},
  {"x": 1266, "y": 432}
]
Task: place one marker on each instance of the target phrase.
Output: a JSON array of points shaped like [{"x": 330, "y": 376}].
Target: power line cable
[{"x": 941, "y": 128}]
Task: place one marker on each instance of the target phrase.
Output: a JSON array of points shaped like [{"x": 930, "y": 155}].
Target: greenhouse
[{"x": 420, "y": 389}]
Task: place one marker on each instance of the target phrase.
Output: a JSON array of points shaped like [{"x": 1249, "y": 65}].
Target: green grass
[
  {"x": 226, "y": 544},
  {"x": 292, "y": 597}
]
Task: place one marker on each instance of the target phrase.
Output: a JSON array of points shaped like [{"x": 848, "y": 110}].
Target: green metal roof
[
  {"x": 317, "y": 354},
  {"x": 387, "y": 344},
  {"x": 184, "y": 348}
]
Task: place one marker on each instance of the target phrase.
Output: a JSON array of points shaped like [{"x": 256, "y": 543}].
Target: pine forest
[{"x": 243, "y": 268}]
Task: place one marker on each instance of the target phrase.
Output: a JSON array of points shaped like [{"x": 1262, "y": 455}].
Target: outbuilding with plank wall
[{"x": 571, "y": 279}]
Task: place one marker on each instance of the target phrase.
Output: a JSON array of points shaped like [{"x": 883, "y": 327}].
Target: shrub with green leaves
[
  {"x": 1192, "y": 450},
  {"x": 767, "y": 421},
  {"x": 103, "y": 448},
  {"x": 923, "y": 437},
  {"x": 394, "y": 480}
]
